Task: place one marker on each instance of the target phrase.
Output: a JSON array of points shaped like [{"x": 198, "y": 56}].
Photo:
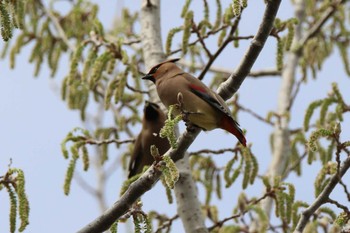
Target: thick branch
[
  {"x": 323, "y": 197},
  {"x": 281, "y": 149},
  {"x": 228, "y": 88},
  {"x": 281, "y": 134},
  {"x": 137, "y": 189},
  {"x": 151, "y": 41},
  {"x": 232, "y": 84}
]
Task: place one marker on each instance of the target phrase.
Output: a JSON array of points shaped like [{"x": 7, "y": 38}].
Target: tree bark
[
  {"x": 188, "y": 206},
  {"x": 281, "y": 134}
]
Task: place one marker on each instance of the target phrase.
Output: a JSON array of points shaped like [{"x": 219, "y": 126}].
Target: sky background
[{"x": 34, "y": 120}]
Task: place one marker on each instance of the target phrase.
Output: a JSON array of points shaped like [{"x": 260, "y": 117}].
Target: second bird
[
  {"x": 197, "y": 103},
  {"x": 153, "y": 120}
]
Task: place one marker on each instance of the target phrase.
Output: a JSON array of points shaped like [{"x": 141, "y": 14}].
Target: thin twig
[
  {"x": 131, "y": 42},
  {"x": 294, "y": 95},
  {"x": 167, "y": 224},
  {"x": 251, "y": 112},
  {"x": 226, "y": 72},
  {"x": 59, "y": 29},
  {"x": 233, "y": 83},
  {"x": 134, "y": 89},
  {"x": 220, "y": 49},
  {"x": 343, "y": 207},
  {"x": 200, "y": 38},
  {"x": 345, "y": 189},
  {"x": 260, "y": 73},
  {"x": 256, "y": 201},
  {"x": 293, "y": 166},
  {"x": 109, "y": 141},
  {"x": 84, "y": 185},
  {"x": 323, "y": 197},
  {"x": 216, "y": 152},
  {"x": 113, "y": 167},
  {"x": 213, "y": 32}
]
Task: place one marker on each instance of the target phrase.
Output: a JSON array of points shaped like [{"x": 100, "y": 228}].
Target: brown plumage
[
  {"x": 153, "y": 120},
  {"x": 198, "y": 104}
]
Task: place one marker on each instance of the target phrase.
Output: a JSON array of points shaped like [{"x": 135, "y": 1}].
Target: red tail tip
[{"x": 231, "y": 126}]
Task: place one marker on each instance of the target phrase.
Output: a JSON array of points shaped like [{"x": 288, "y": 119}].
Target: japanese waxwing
[
  {"x": 153, "y": 120},
  {"x": 198, "y": 104}
]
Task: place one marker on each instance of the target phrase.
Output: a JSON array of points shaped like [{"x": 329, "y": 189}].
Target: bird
[
  {"x": 152, "y": 122},
  {"x": 198, "y": 104}
]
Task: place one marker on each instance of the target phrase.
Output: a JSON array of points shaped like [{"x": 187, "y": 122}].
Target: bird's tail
[{"x": 230, "y": 125}]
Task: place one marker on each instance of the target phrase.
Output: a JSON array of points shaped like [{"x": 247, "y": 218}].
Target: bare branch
[
  {"x": 261, "y": 73},
  {"x": 109, "y": 141},
  {"x": 292, "y": 166},
  {"x": 256, "y": 201},
  {"x": 213, "y": 32},
  {"x": 220, "y": 49},
  {"x": 343, "y": 207},
  {"x": 216, "y": 152},
  {"x": 84, "y": 185},
  {"x": 200, "y": 38},
  {"x": 319, "y": 24},
  {"x": 226, "y": 72},
  {"x": 167, "y": 224},
  {"x": 232, "y": 84},
  {"x": 251, "y": 112},
  {"x": 135, "y": 90},
  {"x": 294, "y": 95},
  {"x": 59, "y": 29},
  {"x": 323, "y": 197},
  {"x": 345, "y": 189}
]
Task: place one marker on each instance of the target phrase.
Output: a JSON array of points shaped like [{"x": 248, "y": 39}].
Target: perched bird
[
  {"x": 153, "y": 120},
  {"x": 198, "y": 104}
]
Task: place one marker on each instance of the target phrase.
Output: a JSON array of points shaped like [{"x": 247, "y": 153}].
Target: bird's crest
[{"x": 155, "y": 68}]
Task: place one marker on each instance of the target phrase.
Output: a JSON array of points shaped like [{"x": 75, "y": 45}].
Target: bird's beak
[{"x": 149, "y": 77}]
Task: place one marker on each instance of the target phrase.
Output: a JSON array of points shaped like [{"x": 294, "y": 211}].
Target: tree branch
[
  {"x": 323, "y": 197},
  {"x": 228, "y": 88},
  {"x": 200, "y": 38},
  {"x": 281, "y": 149},
  {"x": 242, "y": 213},
  {"x": 226, "y": 72},
  {"x": 319, "y": 24},
  {"x": 59, "y": 29},
  {"x": 109, "y": 141},
  {"x": 232, "y": 84},
  {"x": 281, "y": 146},
  {"x": 212, "y": 58},
  {"x": 346, "y": 191},
  {"x": 251, "y": 112},
  {"x": 215, "y": 152}
]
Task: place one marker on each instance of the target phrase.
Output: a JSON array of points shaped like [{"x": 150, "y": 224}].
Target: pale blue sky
[{"x": 34, "y": 120}]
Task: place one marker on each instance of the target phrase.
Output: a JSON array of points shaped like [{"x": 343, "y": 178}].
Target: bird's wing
[
  {"x": 227, "y": 122},
  {"x": 212, "y": 98},
  {"x": 136, "y": 157}
]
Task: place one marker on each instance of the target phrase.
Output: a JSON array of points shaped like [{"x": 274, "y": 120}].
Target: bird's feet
[
  {"x": 185, "y": 115},
  {"x": 190, "y": 127}
]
